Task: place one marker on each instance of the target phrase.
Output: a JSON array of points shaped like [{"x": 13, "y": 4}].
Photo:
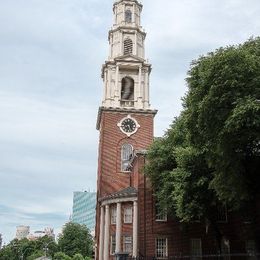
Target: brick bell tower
[{"x": 125, "y": 123}]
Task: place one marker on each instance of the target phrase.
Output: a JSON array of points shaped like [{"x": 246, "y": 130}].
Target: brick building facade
[{"x": 127, "y": 219}]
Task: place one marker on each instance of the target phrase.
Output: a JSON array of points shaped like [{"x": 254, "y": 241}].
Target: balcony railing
[{"x": 127, "y": 103}]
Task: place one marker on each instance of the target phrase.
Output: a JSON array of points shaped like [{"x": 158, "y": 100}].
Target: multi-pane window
[
  {"x": 128, "y": 46},
  {"x": 222, "y": 213},
  {"x": 128, "y": 16},
  {"x": 251, "y": 250},
  {"x": 196, "y": 250},
  {"x": 247, "y": 213},
  {"x": 127, "y": 246},
  {"x": 126, "y": 155},
  {"x": 225, "y": 249},
  {"x": 160, "y": 215},
  {"x": 161, "y": 248},
  {"x": 113, "y": 245},
  {"x": 113, "y": 215},
  {"x": 128, "y": 215}
]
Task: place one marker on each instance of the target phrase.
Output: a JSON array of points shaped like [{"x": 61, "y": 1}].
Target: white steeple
[{"x": 126, "y": 72}]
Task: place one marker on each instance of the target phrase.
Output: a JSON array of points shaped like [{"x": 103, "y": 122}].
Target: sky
[{"x": 51, "y": 52}]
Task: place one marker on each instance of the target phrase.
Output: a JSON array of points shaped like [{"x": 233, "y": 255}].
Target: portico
[{"x": 125, "y": 197}]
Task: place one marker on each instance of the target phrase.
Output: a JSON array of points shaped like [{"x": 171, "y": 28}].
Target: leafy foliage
[
  {"x": 76, "y": 242},
  {"x": 35, "y": 255},
  {"x": 75, "y": 239},
  {"x": 224, "y": 117},
  {"x": 210, "y": 153},
  {"x": 78, "y": 257},
  {"x": 61, "y": 256}
]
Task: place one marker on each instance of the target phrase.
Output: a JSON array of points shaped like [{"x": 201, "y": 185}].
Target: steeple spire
[{"x": 126, "y": 72}]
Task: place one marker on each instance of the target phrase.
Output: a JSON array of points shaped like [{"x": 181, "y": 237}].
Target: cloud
[{"x": 50, "y": 89}]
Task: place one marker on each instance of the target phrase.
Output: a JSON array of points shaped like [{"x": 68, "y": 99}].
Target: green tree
[
  {"x": 76, "y": 239},
  {"x": 61, "y": 256},
  {"x": 78, "y": 257},
  {"x": 214, "y": 144},
  {"x": 28, "y": 249},
  {"x": 46, "y": 244},
  {"x": 36, "y": 254},
  {"x": 8, "y": 253},
  {"x": 223, "y": 118}
]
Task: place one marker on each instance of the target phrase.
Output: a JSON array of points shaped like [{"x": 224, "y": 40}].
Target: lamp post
[
  {"x": 23, "y": 252},
  {"x": 46, "y": 248}
]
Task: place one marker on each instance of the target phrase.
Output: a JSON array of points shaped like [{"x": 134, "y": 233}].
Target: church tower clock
[{"x": 125, "y": 123}]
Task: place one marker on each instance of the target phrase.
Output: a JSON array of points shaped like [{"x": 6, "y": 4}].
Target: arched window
[
  {"x": 127, "y": 91},
  {"x": 128, "y": 16},
  {"x": 128, "y": 46},
  {"x": 126, "y": 156}
]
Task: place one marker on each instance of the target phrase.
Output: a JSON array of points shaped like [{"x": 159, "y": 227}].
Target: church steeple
[{"x": 126, "y": 72}]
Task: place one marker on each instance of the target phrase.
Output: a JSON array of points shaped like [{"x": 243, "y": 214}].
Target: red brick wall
[{"x": 110, "y": 177}]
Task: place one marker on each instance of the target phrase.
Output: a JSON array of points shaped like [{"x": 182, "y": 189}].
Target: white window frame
[
  {"x": 126, "y": 151},
  {"x": 129, "y": 243},
  {"x": 196, "y": 248},
  {"x": 222, "y": 211},
  {"x": 112, "y": 244},
  {"x": 126, "y": 215},
  {"x": 113, "y": 216},
  {"x": 160, "y": 215},
  {"x": 251, "y": 249},
  {"x": 225, "y": 249},
  {"x": 162, "y": 251}
]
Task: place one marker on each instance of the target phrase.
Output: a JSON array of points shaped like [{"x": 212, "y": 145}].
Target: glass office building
[{"x": 84, "y": 209}]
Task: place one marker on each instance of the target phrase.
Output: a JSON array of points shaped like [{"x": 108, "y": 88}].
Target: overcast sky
[{"x": 51, "y": 52}]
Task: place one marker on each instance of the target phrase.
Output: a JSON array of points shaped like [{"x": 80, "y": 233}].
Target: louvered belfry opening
[{"x": 128, "y": 46}]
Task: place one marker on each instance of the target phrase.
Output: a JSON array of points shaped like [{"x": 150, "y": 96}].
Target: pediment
[{"x": 129, "y": 58}]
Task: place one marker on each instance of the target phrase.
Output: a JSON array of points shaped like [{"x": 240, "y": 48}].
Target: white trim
[
  {"x": 112, "y": 201},
  {"x": 124, "y": 244},
  {"x": 136, "y": 123},
  {"x": 156, "y": 248},
  {"x": 196, "y": 248},
  {"x": 113, "y": 215},
  {"x": 125, "y": 209},
  {"x": 111, "y": 244}
]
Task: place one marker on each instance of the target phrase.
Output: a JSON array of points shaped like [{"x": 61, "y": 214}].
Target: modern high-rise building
[{"x": 84, "y": 209}]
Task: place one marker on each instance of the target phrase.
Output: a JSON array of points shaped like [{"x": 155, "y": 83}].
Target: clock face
[{"x": 128, "y": 125}]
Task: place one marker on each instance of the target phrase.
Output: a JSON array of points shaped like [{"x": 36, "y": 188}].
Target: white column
[
  {"x": 106, "y": 237},
  {"x": 140, "y": 81},
  {"x": 135, "y": 230},
  {"x": 108, "y": 94},
  {"x": 117, "y": 96},
  {"x": 139, "y": 96},
  {"x": 123, "y": 18},
  {"x": 133, "y": 15},
  {"x": 146, "y": 89},
  {"x": 111, "y": 41},
  {"x": 101, "y": 234},
  {"x": 117, "y": 79},
  {"x": 118, "y": 228},
  {"x": 122, "y": 44},
  {"x": 135, "y": 45}
]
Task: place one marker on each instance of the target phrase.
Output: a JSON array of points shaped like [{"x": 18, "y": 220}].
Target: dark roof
[{"x": 127, "y": 192}]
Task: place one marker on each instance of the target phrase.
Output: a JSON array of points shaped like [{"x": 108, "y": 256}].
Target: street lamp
[
  {"x": 46, "y": 247},
  {"x": 23, "y": 252}
]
